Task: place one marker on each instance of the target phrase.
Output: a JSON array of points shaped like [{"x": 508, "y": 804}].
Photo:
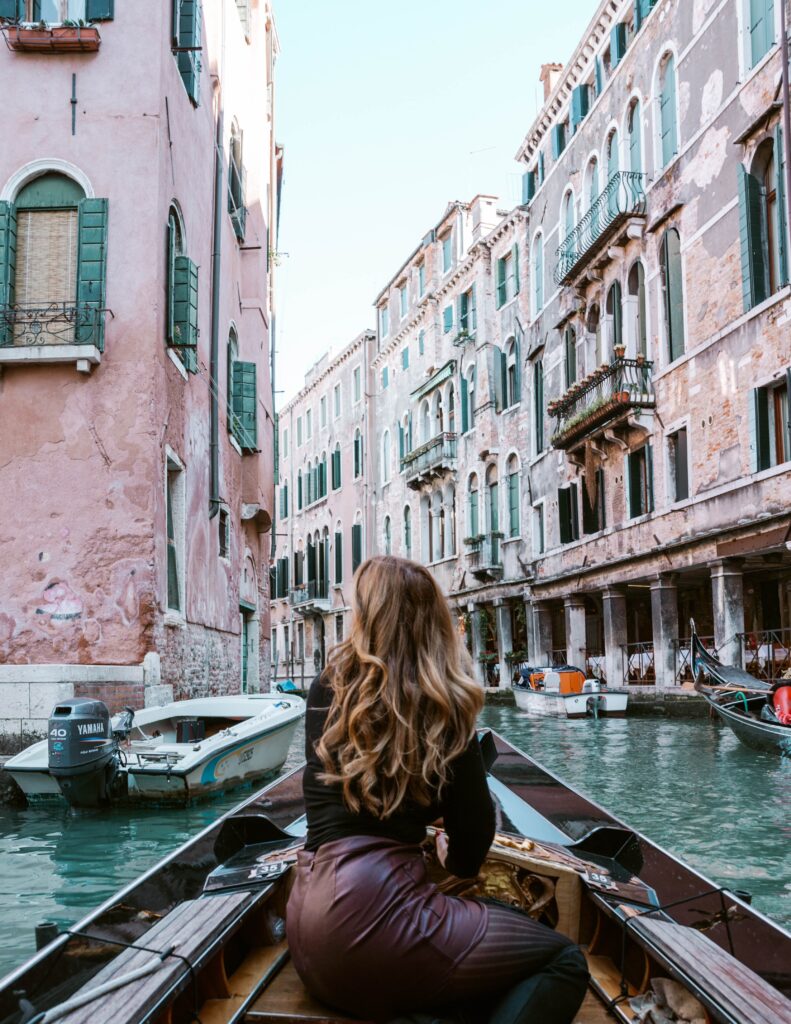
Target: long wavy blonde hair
[{"x": 404, "y": 703}]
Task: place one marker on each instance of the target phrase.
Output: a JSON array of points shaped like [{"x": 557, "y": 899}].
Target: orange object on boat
[{"x": 781, "y": 699}]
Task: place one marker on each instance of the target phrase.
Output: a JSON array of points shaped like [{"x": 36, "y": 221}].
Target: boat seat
[
  {"x": 198, "y": 928},
  {"x": 720, "y": 981}
]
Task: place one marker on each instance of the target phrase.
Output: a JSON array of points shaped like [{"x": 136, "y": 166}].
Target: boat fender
[{"x": 781, "y": 700}]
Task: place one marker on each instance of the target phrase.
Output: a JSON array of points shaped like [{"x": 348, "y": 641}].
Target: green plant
[{"x": 478, "y": 538}]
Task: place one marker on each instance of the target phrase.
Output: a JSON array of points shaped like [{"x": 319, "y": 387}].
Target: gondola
[
  {"x": 758, "y": 713},
  {"x": 201, "y": 935}
]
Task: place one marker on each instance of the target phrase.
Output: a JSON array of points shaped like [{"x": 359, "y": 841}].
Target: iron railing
[
  {"x": 639, "y": 664},
  {"x": 767, "y": 654},
  {"x": 683, "y": 649},
  {"x": 595, "y": 664},
  {"x": 51, "y": 323},
  {"x": 314, "y": 590},
  {"x": 436, "y": 454},
  {"x": 606, "y": 392},
  {"x": 623, "y": 197},
  {"x": 483, "y": 551}
]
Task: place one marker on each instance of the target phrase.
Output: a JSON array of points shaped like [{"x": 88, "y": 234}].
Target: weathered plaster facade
[{"x": 85, "y": 457}]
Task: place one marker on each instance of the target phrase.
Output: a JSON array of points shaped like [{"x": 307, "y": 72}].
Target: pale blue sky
[{"x": 387, "y": 112}]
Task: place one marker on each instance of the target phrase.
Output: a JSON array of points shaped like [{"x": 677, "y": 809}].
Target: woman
[{"x": 391, "y": 747}]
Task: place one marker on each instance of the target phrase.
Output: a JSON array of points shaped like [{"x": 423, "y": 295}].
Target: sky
[{"x": 387, "y": 113}]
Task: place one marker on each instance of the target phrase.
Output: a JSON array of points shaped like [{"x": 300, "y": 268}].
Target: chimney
[
  {"x": 550, "y": 73},
  {"x": 484, "y": 215}
]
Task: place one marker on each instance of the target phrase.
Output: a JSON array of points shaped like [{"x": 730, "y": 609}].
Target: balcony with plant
[
  {"x": 484, "y": 556},
  {"x": 68, "y": 37},
  {"x": 434, "y": 458}
]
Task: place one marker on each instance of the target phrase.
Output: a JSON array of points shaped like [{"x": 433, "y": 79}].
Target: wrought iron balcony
[
  {"x": 53, "y": 323},
  {"x": 483, "y": 555},
  {"x": 606, "y": 395},
  {"x": 309, "y": 598},
  {"x": 434, "y": 458},
  {"x": 623, "y": 198}
]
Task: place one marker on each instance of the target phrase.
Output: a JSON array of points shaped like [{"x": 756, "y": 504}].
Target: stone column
[
  {"x": 727, "y": 593},
  {"x": 477, "y": 642},
  {"x": 575, "y": 631},
  {"x": 615, "y": 635},
  {"x": 541, "y": 646},
  {"x": 504, "y": 639},
  {"x": 664, "y": 615}
]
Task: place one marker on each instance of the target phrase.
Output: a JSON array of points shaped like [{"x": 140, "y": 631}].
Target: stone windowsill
[
  {"x": 84, "y": 356},
  {"x": 175, "y": 619}
]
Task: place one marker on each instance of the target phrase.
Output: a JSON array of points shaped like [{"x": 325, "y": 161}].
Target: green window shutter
[
  {"x": 473, "y": 309},
  {"x": 497, "y": 374},
  {"x": 528, "y": 186},
  {"x": 580, "y": 104},
  {"x": 538, "y": 397},
  {"x": 649, "y": 477},
  {"x": 540, "y": 168},
  {"x": 782, "y": 233},
  {"x": 463, "y": 311},
  {"x": 91, "y": 271},
  {"x": 515, "y": 258},
  {"x": 338, "y": 557},
  {"x": 501, "y": 290},
  {"x": 513, "y": 503},
  {"x": 447, "y": 319},
  {"x": 674, "y": 293},
  {"x": 504, "y": 379},
  {"x": 99, "y": 10},
  {"x": 185, "y": 311},
  {"x": 465, "y": 426},
  {"x": 635, "y": 149},
  {"x": 189, "y": 38},
  {"x": 12, "y": 10},
  {"x": 175, "y": 32},
  {"x": 762, "y": 28},
  {"x": 564, "y": 514},
  {"x": 473, "y": 513},
  {"x": 575, "y": 514},
  {"x": 401, "y": 451},
  {"x": 357, "y": 546},
  {"x": 517, "y": 372},
  {"x": 558, "y": 137},
  {"x": 761, "y": 432},
  {"x": 752, "y": 230},
  {"x": 599, "y": 72},
  {"x": 245, "y": 403},
  {"x": 7, "y": 264},
  {"x": 617, "y": 43},
  {"x": 171, "y": 284},
  {"x": 668, "y": 113},
  {"x": 299, "y": 491}
]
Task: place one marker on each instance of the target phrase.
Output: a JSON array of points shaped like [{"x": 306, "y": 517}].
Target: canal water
[{"x": 687, "y": 784}]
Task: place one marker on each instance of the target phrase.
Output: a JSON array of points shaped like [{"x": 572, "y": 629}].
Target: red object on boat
[{"x": 782, "y": 704}]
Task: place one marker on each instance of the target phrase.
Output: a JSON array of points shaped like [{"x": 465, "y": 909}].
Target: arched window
[
  {"x": 762, "y": 224},
  {"x": 438, "y": 416},
  {"x": 236, "y": 182},
  {"x": 512, "y": 387},
  {"x": 634, "y": 128},
  {"x": 181, "y": 324},
  {"x": 538, "y": 405},
  {"x": 338, "y": 547},
  {"x": 538, "y": 274},
  {"x": 451, "y": 409},
  {"x": 426, "y": 535},
  {"x": 568, "y": 214},
  {"x": 592, "y": 192},
  {"x": 232, "y": 354},
  {"x": 336, "y": 467},
  {"x": 593, "y": 327},
  {"x": 450, "y": 532},
  {"x": 613, "y": 167},
  {"x": 668, "y": 123},
  {"x": 468, "y": 400},
  {"x": 309, "y": 497},
  {"x": 512, "y": 469},
  {"x": 473, "y": 516},
  {"x": 615, "y": 318},
  {"x": 299, "y": 489},
  {"x": 407, "y": 531},
  {"x": 425, "y": 422},
  {"x": 358, "y": 453},
  {"x": 437, "y": 527},
  {"x": 322, "y": 477},
  {"x": 386, "y": 457},
  {"x": 673, "y": 292},
  {"x": 493, "y": 511},
  {"x": 388, "y": 536},
  {"x": 636, "y": 290},
  {"x": 405, "y": 436},
  {"x": 570, "y": 353}
]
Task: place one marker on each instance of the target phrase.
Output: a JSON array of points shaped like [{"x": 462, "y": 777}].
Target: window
[
  {"x": 538, "y": 405},
  {"x": 761, "y": 28},
  {"x": 473, "y": 523},
  {"x": 618, "y": 44},
  {"x": 580, "y": 105},
  {"x": 421, "y": 342},
  {"x": 592, "y": 191},
  {"x": 568, "y": 514},
  {"x": 336, "y": 401},
  {"x": 299, "y": 431},
  {"x": 493, "y": 511},
  {"x": 570, "y": 353},
  {"x": 405, "y": 437},
  {"x": 237, "y": 183},
  {"x": 338, "y": 554},
  {"x": 388, "y": 536},
  {"x": 322, "y": 477},
  {"x": 299, "y": 490},
  {"x": 385, "y": 377},
  {"x": 593, "y": 508},
  {"x": 636, "y": 289},
  {"x": 309, "y": 478},
  {"x": 508, "y": 387},
  {"x": 55, "y": 12},
  {"x": 403, "y": 300},
  {"x": 513, "y": 496},
  {"x": 613, "y": 167},
  {"x": 770, "y": 424},
  {"x": 405, "y": 358},
  {"x": 762, "y": 223},
  {"x": 336, "y": 467},
  {"x": 615, "y": 317},
  {"x": 558, "y": 138},
  {"x": 468, "y": 400},
  {"x": 244, "y": 404},
  {"x": 338, "y": 629},
  {"x": 568, "y": 218},
  {"x": 538, "y": 529},
  {"x": 451, "y": 409},
  {"x": 447, "y": 319},
  {"x": 538, "y": 274},
  {"x": 593, "y": 327},
  {"x": 421, "y": 279},
  {"x": 187, "y": 16},
  {"x": 308, "y": 424},
  {"x": 323, "y": 411},
  {"x": 386, "y": 457},
  {"x": 540, "y": 169},
  {"x": 358, "y": 384},
  {"x": 468, "y": 312},
  {"x": 635, "y": 138},
  {"x": 447, "y": 252},
  {"x": 301, "y": 641},
  {"x": 358, "y": 453},
  {"x": 175, "y": 523},
  {"x": 384, "y": 321},
  {"x": 182, "y": 296},
  {"x": 284, "y": 501},
  {"x": 407, "y": 531},
  {"x": 678, "y": 464},
  {"x": 284, "y": 443},
  {"x": 357, "y": 546},
  {"x": 507, "y": 276},
  {"x": 673, "y": 291},
  {"x": 640, "y": 481},
  {"x": 668, "y": 128}
]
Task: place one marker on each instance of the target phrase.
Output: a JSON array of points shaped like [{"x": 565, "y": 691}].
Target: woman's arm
[
  {"x": 319, "y": 700},
  {"x": 468, "y": 812}
]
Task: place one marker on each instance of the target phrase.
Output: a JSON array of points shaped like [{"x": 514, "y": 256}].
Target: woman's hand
[{"x": 442, "y": 847}]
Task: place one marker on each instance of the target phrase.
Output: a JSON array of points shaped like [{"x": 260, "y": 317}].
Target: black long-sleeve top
[{"x": 465, "y": 804}]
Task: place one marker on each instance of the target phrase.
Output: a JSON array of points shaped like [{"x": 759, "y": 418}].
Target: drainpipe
[
  {"x": 214, "y": 441},
  {"x": 786, "y": 124}
]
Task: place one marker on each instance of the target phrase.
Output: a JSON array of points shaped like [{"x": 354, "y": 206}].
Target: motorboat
[
  {"x": 566, "y": 692},
  {"x": 176, "y": 752},
  {"x": 757, "y": 712},
  {"x": 201, "y": 936}
]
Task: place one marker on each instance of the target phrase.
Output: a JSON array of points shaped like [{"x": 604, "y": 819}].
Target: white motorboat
[
  {"x": 566, "y": 693},
  {"x": 179, "y": 751}
]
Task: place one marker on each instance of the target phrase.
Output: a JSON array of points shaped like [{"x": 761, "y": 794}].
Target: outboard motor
[
  {"x": 594, "y": 701},
  {"x": 83, "y": 752}
]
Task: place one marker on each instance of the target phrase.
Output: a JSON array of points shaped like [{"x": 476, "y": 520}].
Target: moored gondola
[
  {"x": 755, "y": 711},
  {"x": 201, "y": 935}
]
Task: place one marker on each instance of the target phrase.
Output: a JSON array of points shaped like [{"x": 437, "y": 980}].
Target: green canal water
[{"x": 687, "y": 784}]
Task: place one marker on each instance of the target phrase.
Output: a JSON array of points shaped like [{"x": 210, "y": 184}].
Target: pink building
[{"x": 136, "y": 427}]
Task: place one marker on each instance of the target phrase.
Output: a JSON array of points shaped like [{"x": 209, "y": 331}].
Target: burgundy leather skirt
[{"x": 370, "y": 934}]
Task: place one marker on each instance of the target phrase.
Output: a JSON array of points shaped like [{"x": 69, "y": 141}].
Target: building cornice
[{"x": 343, "y": 357}]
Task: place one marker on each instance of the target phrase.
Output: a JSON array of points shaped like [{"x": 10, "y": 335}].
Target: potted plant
[
  {"x": 70, "y": 36},
  {"x": 620, "y": 351},
  {"x": 640, "y": 359}
]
